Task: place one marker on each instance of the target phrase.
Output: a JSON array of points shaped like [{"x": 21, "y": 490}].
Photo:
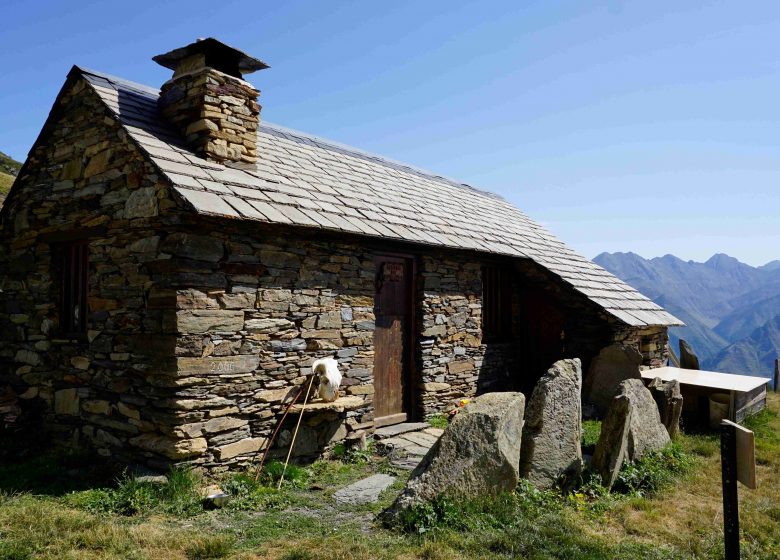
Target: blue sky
[{"x": 651, "y": 127}]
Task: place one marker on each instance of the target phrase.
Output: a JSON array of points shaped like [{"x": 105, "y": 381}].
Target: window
[
  {"x": 496, "y": 304},
  {"x": 73, "y": 296}
]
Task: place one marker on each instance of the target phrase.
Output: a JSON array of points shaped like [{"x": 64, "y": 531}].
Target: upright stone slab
[
  {"x": 669, "y": 400},
  {"x": 478, "y": 454},
  {"x": 551, "y": 453},
  {"x": 631, "y": 428},
  {"x": 615, "y": 363},
  {"x": 612, "y": 446},
  {"x": 688, "y": 358},
  {"x": 647, "y": 433}
]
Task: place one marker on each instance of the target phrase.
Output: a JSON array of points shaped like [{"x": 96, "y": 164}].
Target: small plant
[
  {"x": 438, "y": 421},
  {"x": 653, "y": 471},
  {"x": 293, "y": 475},
  {"x": 246, "y": 494},
  {"x": 208, "y": 548},
  {"x": 439, "y": 513},
  {"x": 353, "y": 454},
  {"x": 591, "y": 430},
  {"x": 177, "y": 495}
]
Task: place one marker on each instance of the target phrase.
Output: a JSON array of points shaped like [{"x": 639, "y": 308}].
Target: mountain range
[{"x": 731, "y": 309}]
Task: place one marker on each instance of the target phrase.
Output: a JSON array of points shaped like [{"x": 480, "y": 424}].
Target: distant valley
[{"x": 731, "y": 309}]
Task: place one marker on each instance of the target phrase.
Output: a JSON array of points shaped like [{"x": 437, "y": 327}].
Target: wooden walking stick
[
  {"x": 267, "y": 450},
  {"x": 295, "y": 433}
]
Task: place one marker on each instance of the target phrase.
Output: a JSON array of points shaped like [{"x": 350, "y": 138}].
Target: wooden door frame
[{"x": 410, "y": 397}]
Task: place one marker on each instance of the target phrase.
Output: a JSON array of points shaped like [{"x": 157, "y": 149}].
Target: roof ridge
[{"x": 320, "y": 141}]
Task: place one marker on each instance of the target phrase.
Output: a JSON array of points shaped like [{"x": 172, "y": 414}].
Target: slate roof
[{"x": 305, "y": 181}]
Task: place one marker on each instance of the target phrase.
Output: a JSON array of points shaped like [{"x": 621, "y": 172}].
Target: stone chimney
[{"x": 208, "y": 100}]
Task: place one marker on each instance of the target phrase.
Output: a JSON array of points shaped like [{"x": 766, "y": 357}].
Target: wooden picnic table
[{"x": 747, "y": 393}]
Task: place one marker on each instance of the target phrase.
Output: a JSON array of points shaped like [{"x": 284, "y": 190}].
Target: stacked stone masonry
[
  {"x": 218, "y": 114},
  {"x": 200, "y": 329}
]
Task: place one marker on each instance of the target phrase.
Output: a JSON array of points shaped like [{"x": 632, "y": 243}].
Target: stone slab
[
  {"x": 218, "y": 365},
  {"x": 419, "y": 438},
  {"x": 364, "y": 491},
  {"x": 339, "y": 405},
  {"x": 398, "y": 429}
]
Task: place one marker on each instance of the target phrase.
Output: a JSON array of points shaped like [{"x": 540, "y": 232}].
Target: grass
[
  {"x": 440, "y": 421},
  {"x": 591, "y": 430},
  {"x": 666, "y": 506},
  {"x": 6, "y": 181},
  {"x": 178, "y": 495}
]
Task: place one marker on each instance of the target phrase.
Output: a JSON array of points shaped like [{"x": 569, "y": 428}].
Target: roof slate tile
[{"x": 310, "y": 182}]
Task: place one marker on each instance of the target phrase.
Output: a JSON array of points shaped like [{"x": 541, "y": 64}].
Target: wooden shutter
[
  {"x": 496, "y": 304},
  {"x": 75, "y": 283}
]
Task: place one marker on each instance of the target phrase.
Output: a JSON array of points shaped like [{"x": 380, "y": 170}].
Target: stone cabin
[{"x": 170, "y": 269}]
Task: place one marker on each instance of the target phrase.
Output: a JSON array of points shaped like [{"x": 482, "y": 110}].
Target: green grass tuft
[
  {"x": 591, "y": 430},
  {"x": 297, "y": 554},
  {"x": 14, "y": 550},
  {"x": 652, "y": 472},
  {"x": 6, "y": 181},
  {"x": 177, "y": 496},
  {"x": 209, "y": 548},
  {"x": 438, "y": 421}
]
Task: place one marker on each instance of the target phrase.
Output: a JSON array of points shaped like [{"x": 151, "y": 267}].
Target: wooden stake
[
  {"x": 777, "y": 375},
  {"x": 268, "y": 445},
  {"x": 295, "y": 434},
  {"x": 728, "y": 465}
]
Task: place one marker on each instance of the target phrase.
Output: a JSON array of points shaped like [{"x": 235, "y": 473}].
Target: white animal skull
[{"x": 327, "y": 369}]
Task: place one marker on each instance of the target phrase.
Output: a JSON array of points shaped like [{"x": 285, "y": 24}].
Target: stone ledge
[{"x": 339, "y": 405}]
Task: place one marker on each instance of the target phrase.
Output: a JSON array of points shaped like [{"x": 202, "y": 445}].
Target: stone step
[
  {"x": 413, "y": 449},
  {"x": 435, "y": 432},
  {"x": 419, "y": 438},
  {"x": 398, "y": 429},
  {"x": 389, "y": 444},
  {"x": 406, "y": 463}
]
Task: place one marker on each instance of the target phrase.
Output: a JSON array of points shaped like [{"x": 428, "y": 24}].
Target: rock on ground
[
  {"x": 551, "y": 453},
  {"x": 615, "y": 363},
  {"x": 364, "y": 491},
  {"x": 670, "y": 402},
  {"x": 478, "y": 453},
  {"x": 631, "y": 429}
]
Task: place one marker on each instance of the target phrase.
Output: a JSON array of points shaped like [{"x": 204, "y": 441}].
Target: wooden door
[
  {"x": 392, "y": 349},
  {"x": 543, "y": 331}
]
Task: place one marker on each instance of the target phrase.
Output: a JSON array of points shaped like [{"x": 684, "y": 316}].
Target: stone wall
[
  {"x": 650, "y": 341},
  {"x": 454, "y": 361},
  {"x": 246, "y": 341},
  {"x": 83, "y": 179},
  {"x": 202, "y": 329}
]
